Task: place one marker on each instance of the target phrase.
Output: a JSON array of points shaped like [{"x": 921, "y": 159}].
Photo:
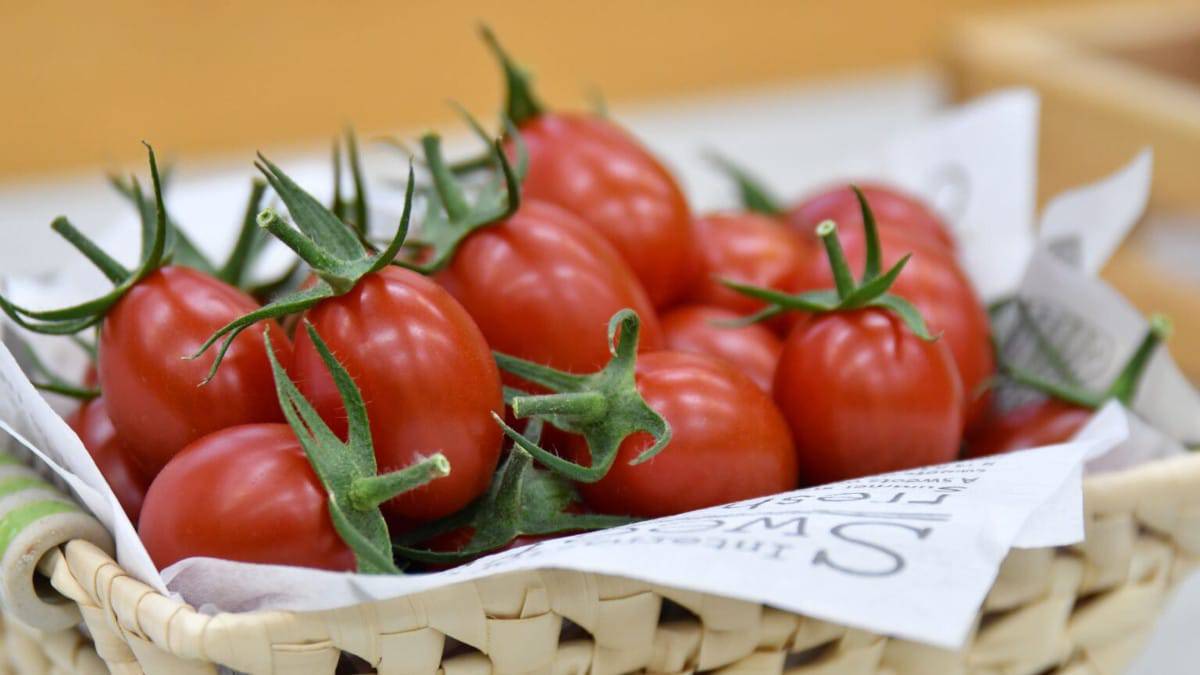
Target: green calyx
[
  {"x": 181, "y": 250},
  {"x": 353, "y": 212},
  {"x": 522, "y": 500},
  {"x": 754, "y": 195},
  {"x": 347, "y": 469},
  {"x": 43, "y": 377},
  {"x": 604, "y": 407},
  {"x": 331, "y": 248},
  {"x": 849, "y": 294},
  {"x": 1124, "y": 386},
  {"x": 75, "y": 318},
  {"x": 456, "y": 217},
  {"x": 520, "y": 104}
]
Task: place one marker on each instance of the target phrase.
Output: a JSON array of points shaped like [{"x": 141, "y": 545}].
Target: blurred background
[
  {"x": 208, "y": 82},
  {"x": 791, "y": 84}
]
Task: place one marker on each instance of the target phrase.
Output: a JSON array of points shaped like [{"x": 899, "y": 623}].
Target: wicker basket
[{"x": 1080, "y": 610}]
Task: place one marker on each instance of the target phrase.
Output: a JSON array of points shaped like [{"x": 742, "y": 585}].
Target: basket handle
[{"x": 36, "y": 518}]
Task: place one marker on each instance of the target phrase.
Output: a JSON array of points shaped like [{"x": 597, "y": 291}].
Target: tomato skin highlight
[
  {"x": 728, "y": 442},
  {"x": 893, "y": 209},
  {"x": 427, "y": 377},
  {"x": 863, "y": 395},
  {"x": 542, "y": 285},
  {"x": 94, "y": 427},
  {"x": 753, "y": 249},
  {"x": 248, "y": 494},
  {"x": 1033, "y": 425},
  {"x": 754, "y": 350},
  {"x": 598, "y": 171},
  {"x": 154, "y": 395},
  {"x": 934, "y": 282}
]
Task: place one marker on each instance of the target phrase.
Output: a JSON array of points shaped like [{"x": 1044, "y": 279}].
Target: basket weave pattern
[{"x": 1081, "y": 610}]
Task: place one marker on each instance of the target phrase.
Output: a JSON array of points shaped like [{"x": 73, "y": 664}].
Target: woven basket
[{"x": 1077, "y": 610}]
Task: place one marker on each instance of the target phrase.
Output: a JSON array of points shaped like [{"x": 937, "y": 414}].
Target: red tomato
[
  {"x": 935, "y": 283},
  {"x": 428, "y": 379},
  {"x": 95, "y": 429},
  {"x": 752, "y": 349},
  {"x": 1045, "y": 422},
  {"x": 864, "y": 395},
  {"x": 728, "y": 442},
  {"x": 893, "y": 210},
  {"x": 245, "y": 493},
  {"x": 154, "y": 395},
  {"x": 753, "y": 249},
  {"x": 542, "y": 285},
  {"x": 596, "y": 170}
]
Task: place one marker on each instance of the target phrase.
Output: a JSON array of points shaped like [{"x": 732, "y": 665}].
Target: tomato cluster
[{"x": 562, "y": 346}]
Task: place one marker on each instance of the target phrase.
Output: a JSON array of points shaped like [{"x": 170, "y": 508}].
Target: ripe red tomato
[
  {"x": 95, "y": 429},
  {"x": 428, "y": 379},
  {"x": 750, "y": 248},
  {"x": 246, "y": 493},
  {"x": 728, "y": 442},
  {"x": 893, "y": 210},
  {"x": 594, "y": 169},
  {"x": 753, "y": 349},
  {"x": 864, "y": 395},
  {"x": 153, "y": 393},
  {"x": 934, "y": 282},
  {"x": 542, "y": 285},
  {"x": 1033, "y": 425}
]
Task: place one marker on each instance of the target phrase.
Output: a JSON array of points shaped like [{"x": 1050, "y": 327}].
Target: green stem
[
  {"x": 360, "y": 185},
  {"x": 369, "y": 492},
  {"x": 872, "y": 265},
  {"x": 236, "y": 268},
  {"x": 843, "y": 278},
  {"x": 1064, "y": 392},
  {"x": 112, "y": 269},
  {"x": 317, "y": 257},
  {"x": 68, "y": 390},
  {"x": 1125, "y": 386},
  {"x": 451, "y": 193},
  {"x": 582, "y": 405},
  {"x": 521, "y": 105},
  {"x": 754, "y": 195}
]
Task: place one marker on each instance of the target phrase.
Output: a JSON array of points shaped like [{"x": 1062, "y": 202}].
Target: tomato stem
[
  {"x": 604, "y": 407},
  {"x": 754, "y": 195},
  {"x": 582, "y": 405},
  {"x": 843, "y": 278},
  {"x": 872, "y": 264},
  {"x": 1125, "y": 386},
  {"x": 849, "y": 295},
  {"x": 320, "y": 260},
  {"x": 112, "y": 269},
  {"x": 521, "y": 104},
  {"x": 454, "y": 200},
  {"x": 369, "y": 492},
  {"x": 75, "y": 318},
  {"x": 236, "y": 269}
]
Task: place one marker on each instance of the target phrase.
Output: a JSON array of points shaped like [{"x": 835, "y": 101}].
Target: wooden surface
[{"x": 85, "y": 81}]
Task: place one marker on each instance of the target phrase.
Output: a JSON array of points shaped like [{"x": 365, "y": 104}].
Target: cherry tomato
[
  {"x": 428, "y": 379},
  {"x": 753, "y": 249},
  {"x": 893, "y": 210},
  {"x": 1033, "y": 425},
  {"x": 245, "y": 493},
  {"x": 935, "y": 283},
  {"x": 95, "y": 429},
  {"x": 154, "y": 394},
  {"x": 864, "y": 395},
  {"x": 542, "y": 285},
  {"x": 753, "y": 349},
  {"x": 596, "y": 170},
  {"x": 728, "y": 442}
]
